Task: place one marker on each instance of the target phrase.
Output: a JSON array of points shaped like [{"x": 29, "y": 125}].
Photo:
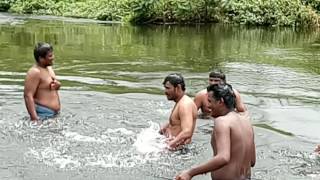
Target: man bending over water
[
  {"x": 41, "y": 86},
  {"x": 232, "y": 139},
  {"x": 182, "y": 120},
  {"x": 201, "y": 100}
]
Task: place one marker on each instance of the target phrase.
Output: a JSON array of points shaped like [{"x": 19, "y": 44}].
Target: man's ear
[
  {"x": 179, "y": 86},
  {"x": 41, "y": 59}
]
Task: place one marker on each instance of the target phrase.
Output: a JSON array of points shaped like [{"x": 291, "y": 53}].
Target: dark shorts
[{"x": 44, "y": 112}]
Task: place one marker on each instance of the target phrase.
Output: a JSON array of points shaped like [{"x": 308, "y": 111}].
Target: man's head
[
  {"x": 43, "y": 54},
  {"x": 174, "y": 86},
  {"x": 217, "y": 77},
  {"x": 220, "y": 97}
]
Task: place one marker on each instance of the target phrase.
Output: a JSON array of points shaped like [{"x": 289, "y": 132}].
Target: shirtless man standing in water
[
  {"x": 232, "y": 139},
  {"x": 41, "y": 86},
  {"x": 182, "y": 120},
  {"x": 201, "y": 100}
]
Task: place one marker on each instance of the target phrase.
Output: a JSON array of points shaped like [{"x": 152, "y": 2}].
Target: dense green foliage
[
  {"x": 271, "y": 12},
  {"x": 315, "y": 4},
  {"x": 5, "y": 4},
  {"x": 256, "y": 12}
]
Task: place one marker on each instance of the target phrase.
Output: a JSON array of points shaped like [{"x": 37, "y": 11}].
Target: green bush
[
  {"x": 270, "y": 12},
  {"x": 315, "y": 4},
  {"x": 256, "y": 12},
  {"x": 172, "y": 11},
  {"x": 33, "y": 6},
  {"x": 6, "y": 4}
]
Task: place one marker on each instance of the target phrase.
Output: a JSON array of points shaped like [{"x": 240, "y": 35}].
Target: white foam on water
[
  {"x": 147, "y": 147},
  {"x": 150, "y": 141},
  {"x": 102, "y": 163},
  {"x": 52, "y": 157},
  {"x": 63, "y": 162},
  {"x": 163, "y": 111},
  {"x": 113, "y": 160},
  {"x": 78, "y": 137},
  {"x": 123, "y": 131}
]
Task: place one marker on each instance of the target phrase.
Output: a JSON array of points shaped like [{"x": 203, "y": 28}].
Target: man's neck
[
  {"x": 179, "y": 97},
  {"x": 225, "y": 111},
  {"x": 42, "y": 66}
]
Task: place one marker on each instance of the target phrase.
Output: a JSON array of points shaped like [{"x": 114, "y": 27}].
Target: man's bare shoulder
[
  {"x": 33, "y": 71},
  {"x": 222, "y": 122},
  {"x": 187, "y": 100},
  {"x": 228, "y": 118},
  {"x": 187, "y": 103},
  {"x": 201, "y": 93}
]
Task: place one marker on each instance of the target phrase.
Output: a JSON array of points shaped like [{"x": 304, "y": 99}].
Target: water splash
[{"x": 149, "y": 141}]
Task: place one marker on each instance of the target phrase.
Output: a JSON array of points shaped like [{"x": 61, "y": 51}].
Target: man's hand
[
  {"x": 162, "y": 131},
  {"x": 55, "y": 84},
  {"x": 36, "y": 122},
  {"x": 184, "y": 175},
  {"x": 171, "y": 144}
]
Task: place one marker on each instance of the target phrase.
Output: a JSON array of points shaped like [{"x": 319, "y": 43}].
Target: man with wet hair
[
  {"x": 179, "y": 129},
  {"x": 41, "y": 86},
  {"x": 201, "y": 100},
  {"x": 232, "y": 139}
]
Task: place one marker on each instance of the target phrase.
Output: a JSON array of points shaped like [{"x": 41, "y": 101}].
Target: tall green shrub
[
  {"x": 6, "y": 4},
  {"x": 270, "y": 12}
]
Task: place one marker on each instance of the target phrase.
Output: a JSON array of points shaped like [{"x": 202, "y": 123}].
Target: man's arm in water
[
  {"x": 30, "y": 87},
  {"x": 187, "y": 125},
  {"x": 163, "y": 128},
  {"x": 223, "y": 156}
]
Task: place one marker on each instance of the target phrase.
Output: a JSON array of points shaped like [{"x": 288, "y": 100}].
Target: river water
[{"x": 112, "y": 97}]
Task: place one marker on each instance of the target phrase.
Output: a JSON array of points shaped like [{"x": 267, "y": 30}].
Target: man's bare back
[
  {"x": 232, "y": 139},
  {"x": 239, "y": 128}
]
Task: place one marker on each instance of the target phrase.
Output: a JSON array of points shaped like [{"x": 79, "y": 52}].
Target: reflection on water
[{"x": 112, "y": 136}]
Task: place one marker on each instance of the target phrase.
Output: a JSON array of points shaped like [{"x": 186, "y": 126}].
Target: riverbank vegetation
[{"x": 252, "y": 12}]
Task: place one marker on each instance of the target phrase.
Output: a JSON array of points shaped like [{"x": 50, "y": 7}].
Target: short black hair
[
  {"x": 218, "y": 74},
  {"x": 175, "y": 79},
  {"x": 225, "y": 92},
  {"x": 41, "y": 49}
]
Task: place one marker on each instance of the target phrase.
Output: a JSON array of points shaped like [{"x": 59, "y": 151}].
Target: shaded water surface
[{"x": 112, "y": 97}]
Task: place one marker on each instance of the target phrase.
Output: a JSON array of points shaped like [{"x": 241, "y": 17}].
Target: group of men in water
[{"x": 232, "y": 138}]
